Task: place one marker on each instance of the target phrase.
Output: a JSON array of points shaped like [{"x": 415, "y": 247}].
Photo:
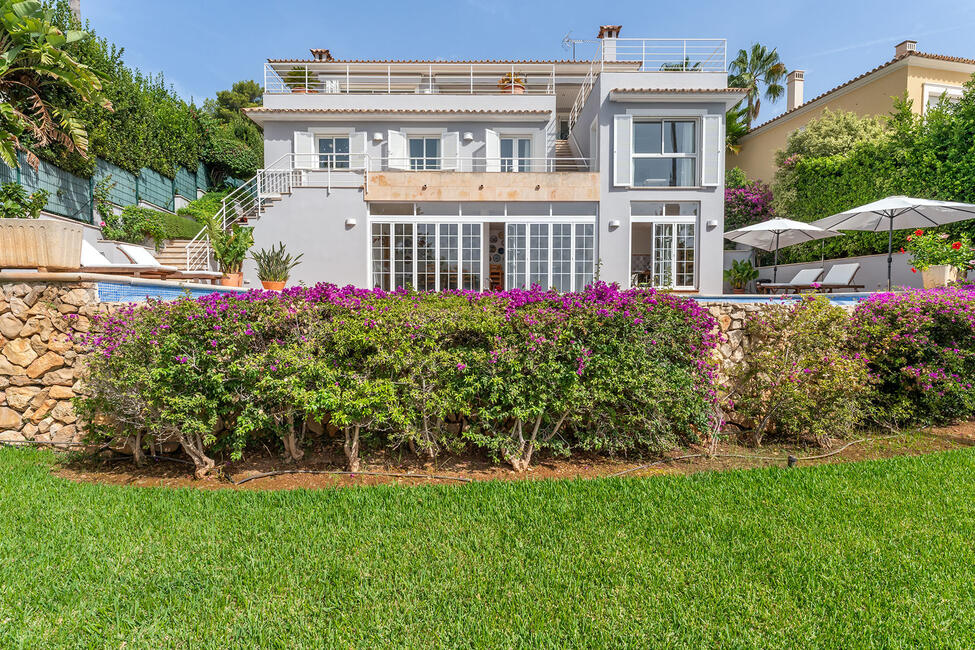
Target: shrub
[
  {"x": 748, "y": 204},
  {"x": 15, "y": 203},
  {"x": 508, "y": 373},
  {"x": 136, "y": 224},
  {"x": 932, "y": 248},
  {"x": 801, "y": 376},
  {"x": 204, "y": 207},
  {"x": 921, "y": 346}
]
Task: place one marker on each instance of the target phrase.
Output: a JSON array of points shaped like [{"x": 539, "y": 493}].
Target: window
[
  {"x": 543, "y": 254},
  {"x": 426, "y": 256},
  {"x": 425, "y": 153},
  {"x": 585, "y": 254},
  {"x": 664, "y": 153},
  {"x": 333, "y": 152},
  {"x": 665, "y": 245},
  {"x": 934, "y": 93},
  {"x": 673, "y": 255},
  {"x": 516, "y": 154},
  {"x": 538, "y": 241}
]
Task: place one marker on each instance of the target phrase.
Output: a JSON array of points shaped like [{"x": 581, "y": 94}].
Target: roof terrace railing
[{"x": 409, "y": 78}]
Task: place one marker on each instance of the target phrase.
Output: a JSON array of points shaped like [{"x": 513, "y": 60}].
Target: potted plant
[
  {"x": 274, "y": 266},
  {"x": 939, "y": 259},
  {"x": 512, "y": 83},
  {"x": 740, "y": 274},
  {"x": 27, "y": 242},
  {"x": 230, "y": 249},
  {"x": 297, "y": 80}
]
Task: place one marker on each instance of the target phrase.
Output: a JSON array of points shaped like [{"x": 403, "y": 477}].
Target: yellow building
[{"x": 924, "y": 77}]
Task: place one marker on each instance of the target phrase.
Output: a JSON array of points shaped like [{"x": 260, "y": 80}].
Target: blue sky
[{"x": 205, "y": 45}]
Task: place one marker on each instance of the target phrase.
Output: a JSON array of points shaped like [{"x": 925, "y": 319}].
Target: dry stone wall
[{"x": 40, "y": 366}]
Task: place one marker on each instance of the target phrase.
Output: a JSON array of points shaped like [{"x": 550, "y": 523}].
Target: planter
[
  {"x": 299, "y": 90},
  {"x": 514, "y": 89},
  {"x": 738, "y": 290},
  {"x": 270, "y": 285},
  {"x": 42, "y": 244},
  {"x": 232, "y": 279},
  {"x": 938, "y": 275}
]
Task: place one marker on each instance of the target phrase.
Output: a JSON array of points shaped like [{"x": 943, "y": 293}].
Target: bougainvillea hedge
[{"x": 508, "y": 372}]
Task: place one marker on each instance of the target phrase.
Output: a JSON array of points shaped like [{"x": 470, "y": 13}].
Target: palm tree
[
  {"x": 751, "y": 71},
  {"x": 35, "y": 70},
  {"x": 736, "y": 125}
]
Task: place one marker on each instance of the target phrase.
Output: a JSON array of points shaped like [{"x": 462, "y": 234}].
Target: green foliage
[
  {"x": 243, "y": 94},
  {"x": 42, "y": 82},
  {"x": 275, "y": 265},
  {"x": 137, "y": 224},
  {"x": 736, "y": 126},
  {"x": 204, "y": 207},
  {"x": 740, "y": 274},
  {"x": 224, "y": 154},
  {"x": 928, "y": 249},
  {"x": 834, "y": 133},
  {"x": 802, "y": 377},
  {"x": 229, "y": 246},
  {"x": 756, "y": 70},
  {"x": 735, "y": 179},
  {"x": 15, "y": 203}
]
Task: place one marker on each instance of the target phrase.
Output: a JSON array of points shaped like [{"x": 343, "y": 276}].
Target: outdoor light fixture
[
  {"x": 377, "y": 136},
  {"x": 468, "y": 136},
  {"x": 615, "y": 223},
  {"x": 712, "y": 223},
  {"x": 350, "y": 222}
]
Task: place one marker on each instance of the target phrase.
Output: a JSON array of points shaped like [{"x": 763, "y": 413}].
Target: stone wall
[
  {"x": 731, "y": 322},
  {"x": 39, "y": 364}
]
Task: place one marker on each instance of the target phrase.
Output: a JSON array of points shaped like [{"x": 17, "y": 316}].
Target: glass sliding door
[
  {"x": 674, "y": 255},
  {"x": 562, "y": 256},
  {"x": 403, "y": 255},
  {"x": 426, "y": 256},
  {"x": 550, "y": 255},
  {"x": 538, "y": 267},
  {"x": 585, "y": 253},
  {"x": 448, "y": 256},
  {"x": 516, "y": 256},
  {"x": 516, "y": 154},
  {"x": 381, "y": 255},
  {"x": 471, "y": 257}
]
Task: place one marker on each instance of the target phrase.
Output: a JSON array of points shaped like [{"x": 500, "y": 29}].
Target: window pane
[
  {"x": 684, "y": 262},
  {"x": 515, "y": 251},
  {"x": 402, "y": 255},
  {"x": 448, "y": 256},
  {"x": 538, "y": 233},
  {"x": 646, "y": 137},
  {"x": 391, "y": 208},
  {"x": 679, "y": 137},
  {"x": 471, "y": 262},
  {"x": 664, "y": 172},
  {"x": 433, "y": 153},
  {"x": 574, "y": 209},
  {"x": 584, "y": 245},
  {"x": 426, "y": 257},
  {"x": 380, "y": 255},
  {"x": 524, "y": 154},
  {"x": 562, "y": 256},
  {"x": 663, "y": 254},
  {"x": 507, "y": 154}
]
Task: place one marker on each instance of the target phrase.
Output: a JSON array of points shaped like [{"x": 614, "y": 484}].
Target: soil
[{"x": 119, "y": 470}]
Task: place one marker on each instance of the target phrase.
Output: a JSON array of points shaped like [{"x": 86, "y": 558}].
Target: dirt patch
[{"x": 726, "y": 456}]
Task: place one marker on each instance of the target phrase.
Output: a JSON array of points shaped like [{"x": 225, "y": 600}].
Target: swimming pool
[{"x": 841, "y": 299}]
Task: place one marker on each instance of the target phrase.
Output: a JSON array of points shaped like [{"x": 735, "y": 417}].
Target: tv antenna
[{"x": 569, "y": 43}]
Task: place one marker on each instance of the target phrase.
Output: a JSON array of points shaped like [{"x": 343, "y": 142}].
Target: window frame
[
  {"x": 695, "y": 156},
  {"x": 460, "y": 265},
  {"x": 428, "y": 163},
  {"x": 675, "y": 221},
  {"x": 319, "y": 137},
  {"x": 515, "y": 162}
]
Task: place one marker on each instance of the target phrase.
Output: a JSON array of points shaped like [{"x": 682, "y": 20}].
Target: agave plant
[
  {"x": 32, "y": 63},
  {"x": 275, "y": 265}
]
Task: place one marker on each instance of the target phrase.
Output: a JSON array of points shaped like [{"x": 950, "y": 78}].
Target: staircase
[
  {"x": 566, "y": 160},
  {"x": 174, "y": 254}
]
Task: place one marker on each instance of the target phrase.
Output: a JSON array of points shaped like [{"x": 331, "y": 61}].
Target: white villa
[{"x": 496, "y": 174}]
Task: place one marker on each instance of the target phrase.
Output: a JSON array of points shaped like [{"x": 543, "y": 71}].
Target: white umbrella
[
  {"x": 777, "y": 233},
  {"x": 898, "y": 213}
]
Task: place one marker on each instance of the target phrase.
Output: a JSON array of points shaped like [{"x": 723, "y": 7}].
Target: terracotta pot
[
  {"x": 738, "y": 290},
  {"x": 271, "y": 285},
  {"x": 938, "y": 275},
  {"x": 232, "y": 280},
  {"x": 300, "y": 90},
  {"x": 43, "y": 244}
]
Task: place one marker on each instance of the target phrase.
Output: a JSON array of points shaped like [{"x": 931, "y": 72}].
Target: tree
[
  {"x": 35, "y": 74},
  {"x": 736, "y": 126},
  {"x": 754, "y": 70},
  {"x": 834, "y": 133},
  {"x": 243, "y": 94}
]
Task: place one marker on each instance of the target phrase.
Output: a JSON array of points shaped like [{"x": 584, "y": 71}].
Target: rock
[
  {"x": 43, "y": 410},
  {"x": 29, "y": 431},
  {"x": 9, "y": 369},
  {"x": 21, "y": 379},
  {"x": 19, "y": 308},
  {"x": 62, "y": 377},
  {"x": 30, "y": 298},
  {"x": 18, "y": 290},
  {"x": 18, "y": 398},
  {"x": 64, "y": 412},
  {"x": 12, "y": 436},
  {"x": 9, "y": 418},
  {"x": 76, "y": 297},
  {"x": 65, "y": 434},
  {"x": 45, "y": 425},
  {"x": 39, "y": 398},
  {"x": 735, "y": 337},
  {"x": 43, "y": 364},
  {"x": 81, "y": 324},
  {"x": 37, "y": 345},
  {"x": 10, "y": 326},
  {"x": 4, "y": 382},
  {"x": 60, "y": 392},
  {"x": 724, "y": 320},
  {"x": 33, "y": 326},
  {"x": 59, "y": 343},
  {"x": 19, "y": 352}
]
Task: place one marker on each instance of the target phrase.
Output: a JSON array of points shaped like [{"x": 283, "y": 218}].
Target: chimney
[
  {"x": 904, "y": 47},
  {"x": 321, "y": 55},
  {"x": 608, "y": 35},
  {"x": 794, "y": 83}
]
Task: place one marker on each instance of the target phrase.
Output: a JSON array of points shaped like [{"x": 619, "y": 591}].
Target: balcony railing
[
  {"x": 409, "y": 78},
  {"x": 344, "y": 163}
]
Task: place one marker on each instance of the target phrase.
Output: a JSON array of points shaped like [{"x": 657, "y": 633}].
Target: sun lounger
[
  {"x": 839, "y": 276},
  {"x": 141, "y": 256},
  {"x": 94, "y": 262},
  {"x": 802, "y": 278}
]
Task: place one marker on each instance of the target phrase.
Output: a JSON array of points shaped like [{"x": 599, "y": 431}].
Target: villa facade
[{"x": 498, "y": 174}]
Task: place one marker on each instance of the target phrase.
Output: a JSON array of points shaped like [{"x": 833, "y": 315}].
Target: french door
[
  {"x": 426, "y": 256},
  {"x": 549, "y": 255}
]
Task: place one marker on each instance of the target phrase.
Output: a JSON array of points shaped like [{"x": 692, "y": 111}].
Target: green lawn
[{"x": 875, "y": 554}]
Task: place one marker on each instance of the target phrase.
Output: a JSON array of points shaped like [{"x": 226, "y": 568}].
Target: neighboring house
[
  {"x": 924, "y": 78},
  {"x": 499, "y": 173}
]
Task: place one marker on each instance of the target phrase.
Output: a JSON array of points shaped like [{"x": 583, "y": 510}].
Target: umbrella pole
[
  {"x": 775, "y": 269},
  {"x": 890, "y": 248}
]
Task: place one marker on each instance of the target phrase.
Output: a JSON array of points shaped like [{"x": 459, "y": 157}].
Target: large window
[
  {"x": 665, "y": 153},
  {"x": 665, "y": 243},
  {"x": 425, "y": 153},
  {"x": 544, "y": 254},
  {"x": 426, "y": 256},
  {"x": 333, "y": 152},
  {"x": 516, "y": 154}
]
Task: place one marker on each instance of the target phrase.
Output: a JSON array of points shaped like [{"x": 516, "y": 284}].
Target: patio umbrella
[
  {"x": 777, "y": 233},
  {"x": 898, "y": 213}
]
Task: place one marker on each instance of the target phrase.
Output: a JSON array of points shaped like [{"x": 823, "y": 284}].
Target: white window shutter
[
  {"x": 623, "y": 150},
  {"x": 396, "y": 150},
  {"x": 357, "y": 149},
  {"x": 305, "y": 150},
  {"x": 492, "y": 151},
  {"x": 450, "y": 148},
  {"x": 539, "y": 152},
  {"x": 712, "y": 150}
]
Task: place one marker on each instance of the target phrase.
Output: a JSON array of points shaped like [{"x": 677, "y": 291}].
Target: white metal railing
[
  {"x": 408, "y": 78},
  {"x": 345, "y": 170}
]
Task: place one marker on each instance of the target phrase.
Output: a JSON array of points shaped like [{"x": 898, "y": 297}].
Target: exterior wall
[
  {"x": 311, "y": 221},
  {"x": 415, "y": 101},
  {"x": 918, "y": 75},
  {"x": 482, "y": 186}
]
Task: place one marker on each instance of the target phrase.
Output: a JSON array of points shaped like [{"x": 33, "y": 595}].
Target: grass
[
  {"x": 180, "y": 227},
  {"x": 872, "y": 554}
]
